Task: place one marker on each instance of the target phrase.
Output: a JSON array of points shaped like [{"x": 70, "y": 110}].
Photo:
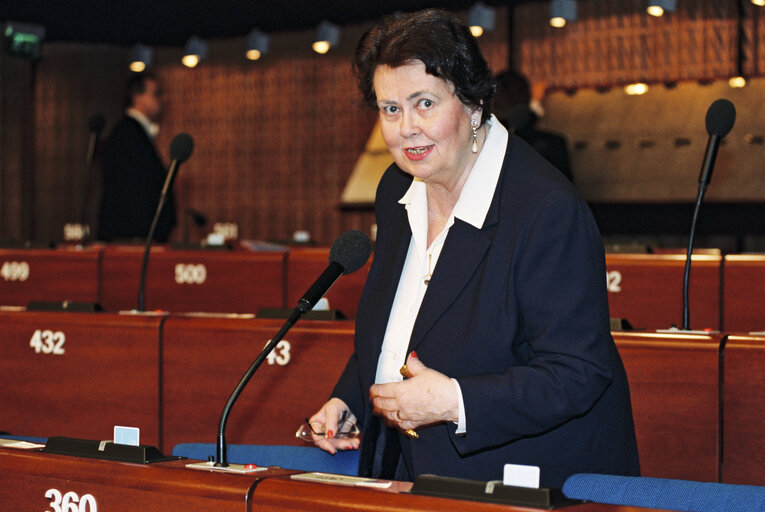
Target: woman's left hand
[{"x": 427, "y": 397}]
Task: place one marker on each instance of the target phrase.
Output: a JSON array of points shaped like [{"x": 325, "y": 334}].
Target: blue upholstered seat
[
  {"x": 305, "y": 458},
  {"x": 665, "y": 493}
]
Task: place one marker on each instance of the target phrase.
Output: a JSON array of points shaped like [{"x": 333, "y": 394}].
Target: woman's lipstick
[{"x": 418, "y": 152}]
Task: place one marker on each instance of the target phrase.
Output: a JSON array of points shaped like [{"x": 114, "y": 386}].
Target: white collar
[
  {"x": 478, "y": 190},
  {"x": 152, "y": 129}
]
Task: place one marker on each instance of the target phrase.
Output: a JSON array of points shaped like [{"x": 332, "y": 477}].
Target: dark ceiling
[{"x": 172, "y": 22}]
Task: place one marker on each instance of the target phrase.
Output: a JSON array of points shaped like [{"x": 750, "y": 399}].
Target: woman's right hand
[{"x": 326, "y": 420}]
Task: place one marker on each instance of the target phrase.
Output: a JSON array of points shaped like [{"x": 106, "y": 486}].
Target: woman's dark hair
[{"x": 438, "y": 39}]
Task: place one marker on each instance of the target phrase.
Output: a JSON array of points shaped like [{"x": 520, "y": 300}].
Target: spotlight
[
  {"x": 257, "y": 44},
  {"x": 561, "y": 12},
  {"x": 737, "y": 82},
  {"x": 327, "y": 36},
  {"x": 758, "y": 2},
  {"x": 140, "y": 57},
  {"x": 196, "y": 52},
  {"x": 659, "y": 7},
  {"x": 481, "y": 18},
  {"x": 636, "y": 89}
]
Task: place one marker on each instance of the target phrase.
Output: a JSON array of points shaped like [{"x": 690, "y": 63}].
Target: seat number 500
[{"x": 70, "y": 502}]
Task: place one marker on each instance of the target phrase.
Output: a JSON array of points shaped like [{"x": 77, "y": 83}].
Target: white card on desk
[
  {"x": 521, "y": 476},
  {"x": 127, "y": 435}
]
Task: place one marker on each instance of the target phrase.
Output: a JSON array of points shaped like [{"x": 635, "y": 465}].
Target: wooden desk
[
  {"x": 647, "y": 290},
  {"x": 238, "y": 281},
  {"x": 49, "y": 275},
  {"x": 205, "y": 357},
  {"x": 744, "y": 293},
  {"x": 92, "y": 371},
  {"x": 674, "y": 388},
  {"x": 305, "y": 265},
  {"x": 29, "y": 478},
  {"x": 744, "y": 410}
]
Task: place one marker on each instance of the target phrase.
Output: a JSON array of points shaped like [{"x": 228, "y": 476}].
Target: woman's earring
[{"x": 474, "y": 126}]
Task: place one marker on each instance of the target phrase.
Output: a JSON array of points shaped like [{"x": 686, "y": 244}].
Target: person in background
[
  {"x": 512, "y": 106},
  {"x": 133, "y": 173},
  {"x": 487, "y": 282}
]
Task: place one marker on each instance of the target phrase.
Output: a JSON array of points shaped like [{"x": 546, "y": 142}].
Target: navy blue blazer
[
  {"x": 517, "y": 312},
  {"x": 133, "y": 176}
]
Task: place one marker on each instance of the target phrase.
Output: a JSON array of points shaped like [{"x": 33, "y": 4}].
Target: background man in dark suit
[
  {"x": 133, "y": 172},
  {"x": 512, "y": 107}
]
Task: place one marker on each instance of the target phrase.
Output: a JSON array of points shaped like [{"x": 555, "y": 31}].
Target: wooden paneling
[
  {"x": 744, "y": 293},
  {"x": 205, "y": 357},
  {"x": 49, "y": 275},
  {"x": 647, "y": 290},
  {"x": 743, "y": 459},
  {"x": 237, "y": 281},
  {"x": 674, "y": 388},
  {"x": 105, "y": 372}
]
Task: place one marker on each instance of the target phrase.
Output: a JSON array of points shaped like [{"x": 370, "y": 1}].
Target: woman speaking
[{"x": 482, "y": 335}]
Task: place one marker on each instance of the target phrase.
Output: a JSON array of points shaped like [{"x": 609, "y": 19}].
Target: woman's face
[{"x": 425, "y": 125}]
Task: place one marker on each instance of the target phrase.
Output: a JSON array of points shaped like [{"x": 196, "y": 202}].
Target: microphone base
[{"x": 239, "y": 469}]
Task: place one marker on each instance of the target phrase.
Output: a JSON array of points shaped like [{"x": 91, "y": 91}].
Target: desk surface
[{"x": 32, "y": 479}]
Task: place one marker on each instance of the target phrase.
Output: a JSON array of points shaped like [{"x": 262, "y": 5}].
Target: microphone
[
  {"x": 719, "y": 121},
  {"x": 95, "y": 124},
  {"x": 348, "y": 254},
  {"x": 181, "y": 148}
]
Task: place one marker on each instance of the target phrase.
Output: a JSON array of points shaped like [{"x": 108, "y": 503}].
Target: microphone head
[
  {"x": 96, "y": 123},
  {"x": 351, "y": 250},
  {"x": 181, "y": 147},
  {"x": 720, "y": 117}
]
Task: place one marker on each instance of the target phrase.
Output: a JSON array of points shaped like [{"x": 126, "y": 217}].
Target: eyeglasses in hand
[{"x": 345, "y": 429}]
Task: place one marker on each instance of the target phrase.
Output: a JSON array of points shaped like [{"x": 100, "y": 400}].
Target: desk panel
[
  {"x": 744, "y": 410},
  {"x": 238, "y": 281},
  {"x": 115, "y": 486},
  {"x": 674, "y": 388},
  {"x": 305, "y": 265},
  {"x": 647, "y": 290},
  {"x": 205, "y": 358},
  {"x": 92, "y": 371},
  {"x": 49, "y": 275},
  {"x": 744, "y": 293},
  {"x": 171, "y": 487}
]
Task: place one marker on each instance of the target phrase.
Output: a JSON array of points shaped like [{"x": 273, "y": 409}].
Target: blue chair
[
  {"x": 304, "y": 458},
  {"x": 664, "y": 493},
  {"x": 31, "y": 439}
]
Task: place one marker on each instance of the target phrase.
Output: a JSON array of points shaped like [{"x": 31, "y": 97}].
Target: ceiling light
[
  {"x": 327, "y": 36},
  {"x": 196, "y": 52},
  {"x": 257, "y": 44},
  {"x": 140, "y": 57},
  {"x": 636, "y": 89},
  {"x": 737, "y": 82},
  {"x": 758, "y": 2},
  {"x": 481, "y": 18},
  {"x": 659, "y": 7},
  {"x": 561, "y": 12}
]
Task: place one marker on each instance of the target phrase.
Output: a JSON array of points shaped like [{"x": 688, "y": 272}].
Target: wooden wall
[{"x": 275, "y": 140}]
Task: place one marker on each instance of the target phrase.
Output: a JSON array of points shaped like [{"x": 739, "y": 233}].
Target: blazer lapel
[{"x": 463, "y": 251}]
